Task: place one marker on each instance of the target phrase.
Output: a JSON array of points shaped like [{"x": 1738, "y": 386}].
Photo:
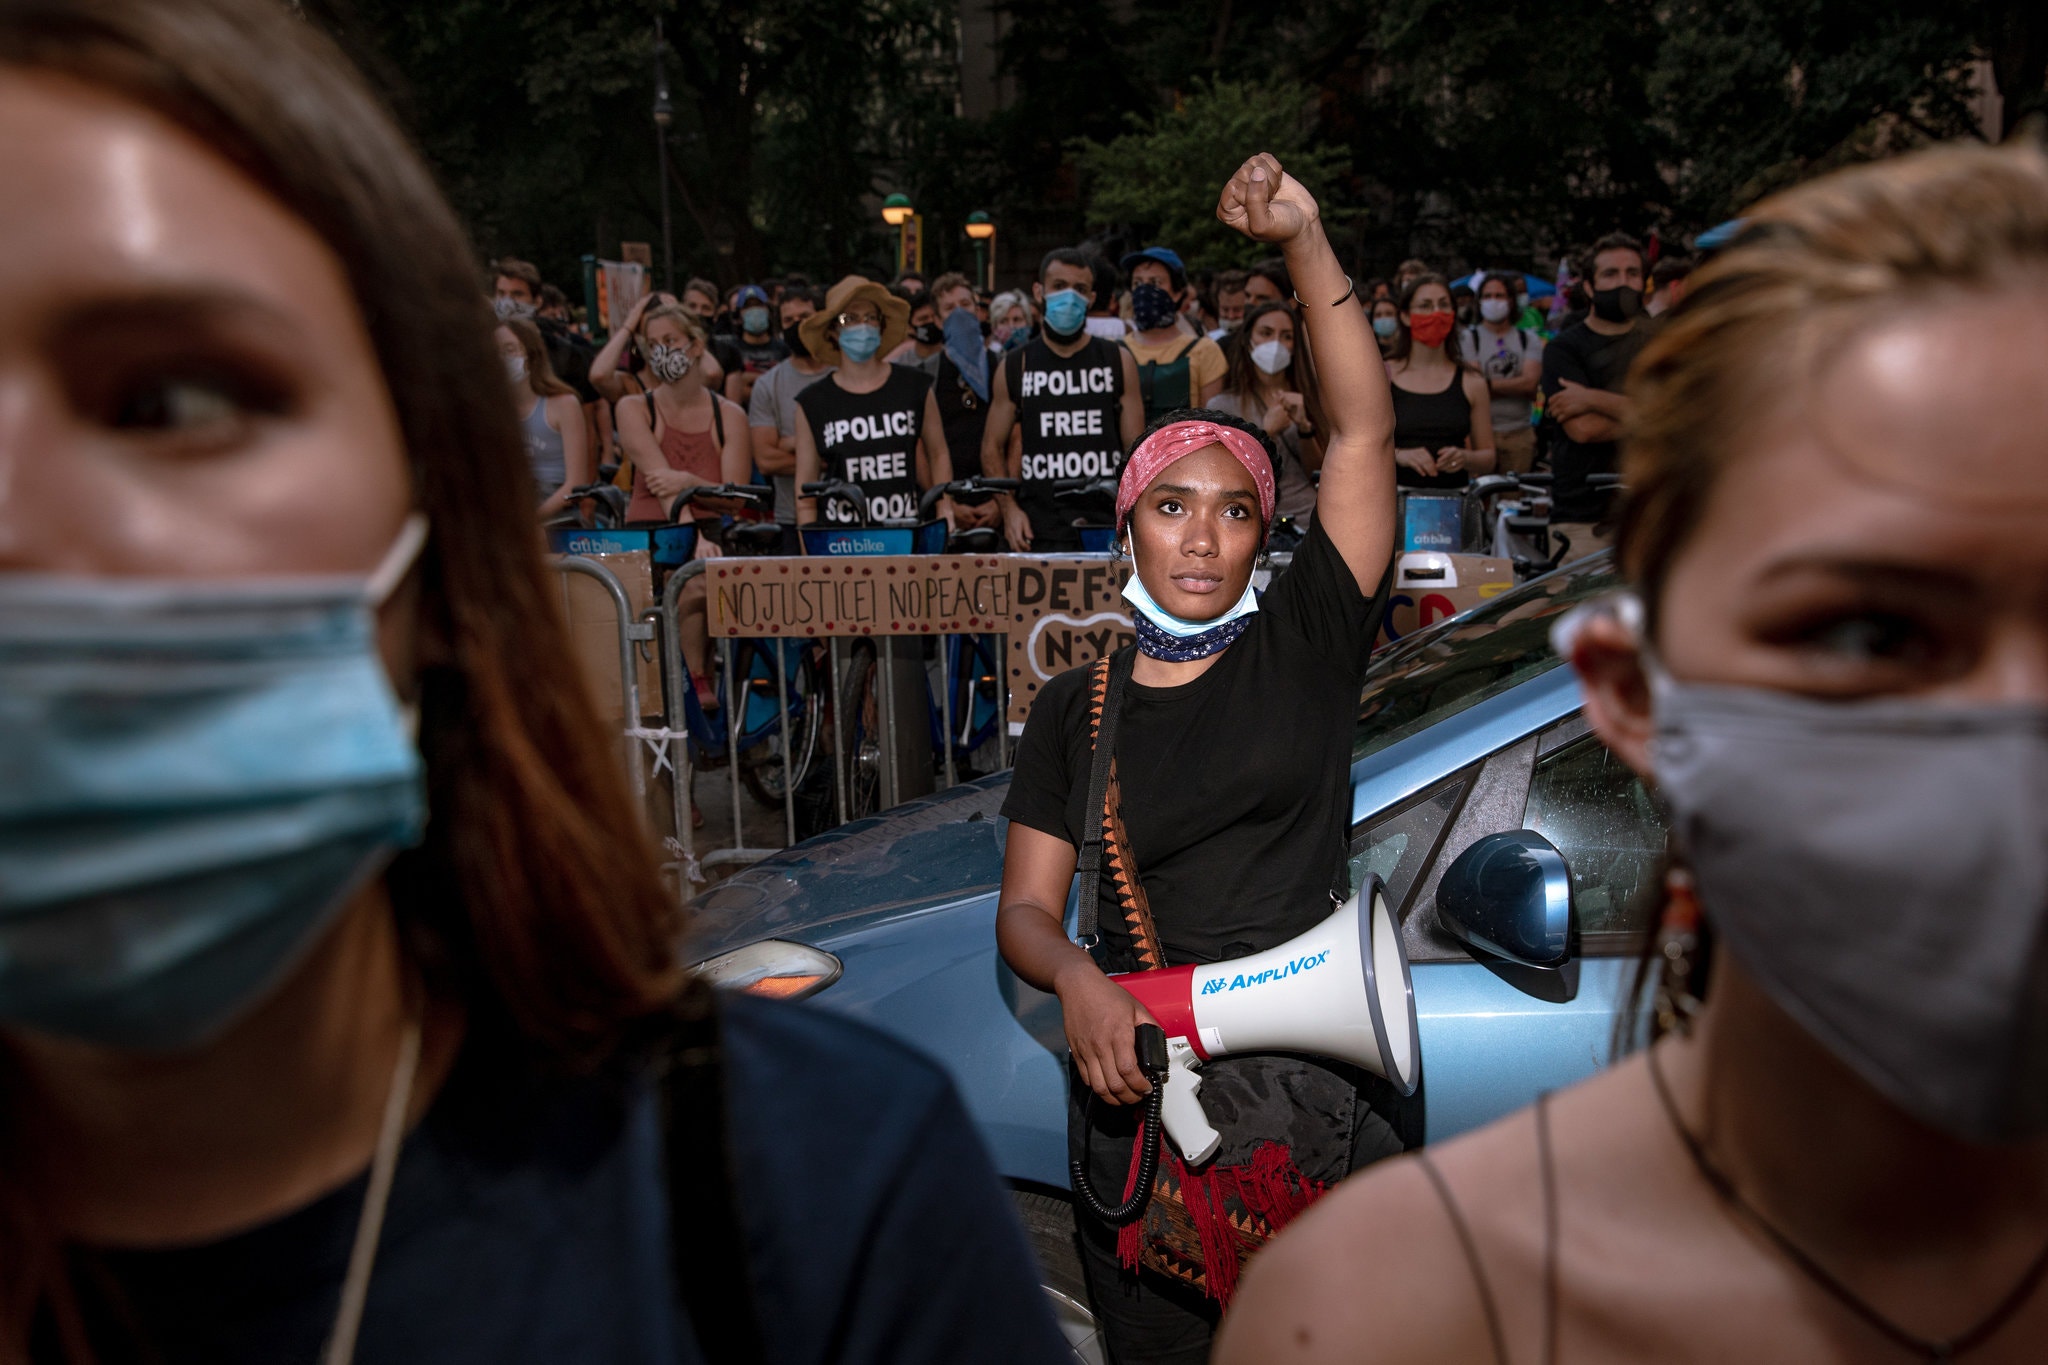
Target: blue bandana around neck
[{"x": 1162, "y": 635}]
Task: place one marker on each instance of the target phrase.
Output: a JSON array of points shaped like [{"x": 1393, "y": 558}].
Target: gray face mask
[{"x": 1881, "y": 869}]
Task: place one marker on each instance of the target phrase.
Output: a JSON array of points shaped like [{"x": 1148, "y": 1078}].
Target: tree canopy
[{"x": 1457, "y": 129}]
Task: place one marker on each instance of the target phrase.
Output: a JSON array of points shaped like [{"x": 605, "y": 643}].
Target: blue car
[{"x": 1469, "y": 728}]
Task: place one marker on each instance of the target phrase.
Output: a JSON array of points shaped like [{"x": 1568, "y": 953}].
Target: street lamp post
[
  {"x": 664, "y": 115},
  {"x": 897, "y": 213},
  {"x": 983, "y": 232}
]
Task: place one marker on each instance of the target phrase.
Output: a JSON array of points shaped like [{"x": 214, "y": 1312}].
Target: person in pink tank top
[{"x": 681, "y": 436}]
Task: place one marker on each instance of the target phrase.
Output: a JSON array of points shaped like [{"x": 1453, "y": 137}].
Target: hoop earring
[{"x": 1678, "y": 942}]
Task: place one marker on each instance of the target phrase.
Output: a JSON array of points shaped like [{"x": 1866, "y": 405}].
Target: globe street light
[
  {"x": 897, "y": 213},
  {"x": 983, "y": 232}
]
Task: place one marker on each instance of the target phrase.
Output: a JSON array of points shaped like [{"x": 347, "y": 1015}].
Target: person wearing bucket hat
[
  {"x": 870, "y": 424},
  {"x": 1228, "y": 798}
]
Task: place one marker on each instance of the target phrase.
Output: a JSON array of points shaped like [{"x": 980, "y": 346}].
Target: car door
[{"x": 1494, "y": 1037}]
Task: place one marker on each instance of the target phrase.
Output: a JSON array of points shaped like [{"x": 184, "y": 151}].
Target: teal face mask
[
  {"x": 1066, "y": 312},
  {"x": 195, "y": 777},
  {"x": 860, "y": 342}
]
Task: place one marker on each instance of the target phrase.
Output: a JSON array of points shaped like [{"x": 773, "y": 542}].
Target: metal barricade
[
  {"x": 630, "y": 632},
  {"x": 963, "y": 603}
]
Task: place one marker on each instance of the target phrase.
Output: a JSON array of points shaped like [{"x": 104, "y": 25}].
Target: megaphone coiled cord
[{"x": 1149, "y": 1129}]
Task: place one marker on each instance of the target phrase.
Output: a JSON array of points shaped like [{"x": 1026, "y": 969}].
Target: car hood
[{"x": 924, "y": 853}]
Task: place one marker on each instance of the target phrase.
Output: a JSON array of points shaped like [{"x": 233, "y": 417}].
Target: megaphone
[{"x": 1341, "y": 990}]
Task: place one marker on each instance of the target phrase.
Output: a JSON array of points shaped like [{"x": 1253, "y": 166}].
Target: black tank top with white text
[
  {"x": 1067, "y": 410},
  {"x": 870, "y": 439}
]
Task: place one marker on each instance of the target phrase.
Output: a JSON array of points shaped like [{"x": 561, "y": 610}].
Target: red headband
[{"x": 1176, "y": 439}]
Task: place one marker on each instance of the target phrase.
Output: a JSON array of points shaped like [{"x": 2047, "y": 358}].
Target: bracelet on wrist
[{"x": 1350, "y": 288}]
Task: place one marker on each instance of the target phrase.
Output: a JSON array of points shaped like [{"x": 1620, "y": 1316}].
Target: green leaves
[{"x": 1161, "y": 179}]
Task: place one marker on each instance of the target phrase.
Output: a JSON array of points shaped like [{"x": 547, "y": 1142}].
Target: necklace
[
  {"x": 1927, "y": 1348},
  {"x": 362, "y": 1256}
]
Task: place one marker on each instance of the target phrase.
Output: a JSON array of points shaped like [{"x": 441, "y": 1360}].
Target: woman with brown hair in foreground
[
  {"x": 1834, "y": 669},
  {"x": 341, "y": 1008}
]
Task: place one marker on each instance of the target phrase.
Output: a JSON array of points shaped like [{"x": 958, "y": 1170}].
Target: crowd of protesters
[{"x": 935, "y": 379}]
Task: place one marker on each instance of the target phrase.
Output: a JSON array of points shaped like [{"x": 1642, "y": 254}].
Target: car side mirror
[{"x": 1508, "y": 899}]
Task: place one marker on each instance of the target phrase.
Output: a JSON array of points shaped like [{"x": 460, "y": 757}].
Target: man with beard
[{"x": 1583, "y": 403}]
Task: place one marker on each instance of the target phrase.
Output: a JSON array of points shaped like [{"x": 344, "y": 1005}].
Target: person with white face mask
[
  {"x": 1511, "y": 358},
  {"x": 549, "y": 416},
  {"x": 1832, "y": 666},
  {"x": 1268, "y": 383}
]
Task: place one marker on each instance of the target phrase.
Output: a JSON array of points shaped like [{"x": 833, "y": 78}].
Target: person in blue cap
[
  {"x": 757, "y": 349},
  {"x": 1178, "y": 367}
]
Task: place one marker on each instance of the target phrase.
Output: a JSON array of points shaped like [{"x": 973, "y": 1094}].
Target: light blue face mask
[
  {"x": 1066, "y": 312},
  {"x": 860, "y": 342},
  {"x": 1180, "y": 629},
  {"x": 195, "y": 777}
]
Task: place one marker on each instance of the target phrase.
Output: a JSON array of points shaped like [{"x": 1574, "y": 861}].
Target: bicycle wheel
[
  {"x": 779, "y": 760},
  {"x": 860, "y": 731}
]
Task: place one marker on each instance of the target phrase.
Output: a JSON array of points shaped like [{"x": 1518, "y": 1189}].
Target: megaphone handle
[{"x": 1186, "y": 1122}]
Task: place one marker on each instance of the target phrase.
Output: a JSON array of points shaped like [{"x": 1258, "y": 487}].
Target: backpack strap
[
  {"x": 718, "y": 420},
  {"x": 707, "y": 1239}
]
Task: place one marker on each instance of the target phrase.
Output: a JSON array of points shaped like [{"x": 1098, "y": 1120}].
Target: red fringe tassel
[{"x": 1270, "y": 1187}]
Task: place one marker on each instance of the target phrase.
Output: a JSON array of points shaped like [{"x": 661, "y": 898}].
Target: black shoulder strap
[
  {"x": 1090, "y": 866},
  {"x": 718, "y": 420},
  {"x": 707, "y": 1240},
  {"x": 1471, "y": 1250}
]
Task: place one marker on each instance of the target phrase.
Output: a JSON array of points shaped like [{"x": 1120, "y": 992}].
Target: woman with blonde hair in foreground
[{"x": 1834, "y": 669}]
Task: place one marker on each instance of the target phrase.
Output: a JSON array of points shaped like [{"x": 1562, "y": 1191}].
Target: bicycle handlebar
[
  {"x": 753, "y": 495},
  {"x": 975, "y": 489}
]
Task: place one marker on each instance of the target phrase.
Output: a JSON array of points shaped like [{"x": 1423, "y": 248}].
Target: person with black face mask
[
  {"x": 927, "y": 337},
  {"x": 1176, "y": 369},
  {"x": 1584, "y": 407},
  {"x": 771, "y": 408}
]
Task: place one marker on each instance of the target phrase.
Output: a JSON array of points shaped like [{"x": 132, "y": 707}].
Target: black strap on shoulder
[
  {"x": 707, "y": 1240},
  {"x": 1471, "y": 1249},
  {"x": 1090, "y": 866},
  {"x": 718, "y": 420}
]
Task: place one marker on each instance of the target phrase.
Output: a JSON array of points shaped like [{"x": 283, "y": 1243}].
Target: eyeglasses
[{"x": 855, "y": 319}]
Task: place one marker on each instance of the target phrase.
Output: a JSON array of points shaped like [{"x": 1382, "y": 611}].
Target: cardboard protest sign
[
  {"x": 594, "y": 628},
  {"x": 857, "y": 595},
  {"x": 1430, "y": 586},
  {"x": 1065, "y": 612}
]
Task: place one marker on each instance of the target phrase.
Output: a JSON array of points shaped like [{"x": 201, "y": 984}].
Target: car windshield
[{"x": 1459, "y": 663}]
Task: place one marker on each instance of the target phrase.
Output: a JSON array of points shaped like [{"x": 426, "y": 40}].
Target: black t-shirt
[
  {"x": 1236, "y": 786},
  {"x": 963, "y": 415},
  {"x": 1584, "y": 356},
  {"x": 756, "y": 359},
  {"x": 529, "y": 1225},
  {"x": 1068, "y": 409},
  {"x": 870, "y": 439}
]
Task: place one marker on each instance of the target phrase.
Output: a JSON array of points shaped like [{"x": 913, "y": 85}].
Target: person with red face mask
[{"x": 1443, "y": 427}]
